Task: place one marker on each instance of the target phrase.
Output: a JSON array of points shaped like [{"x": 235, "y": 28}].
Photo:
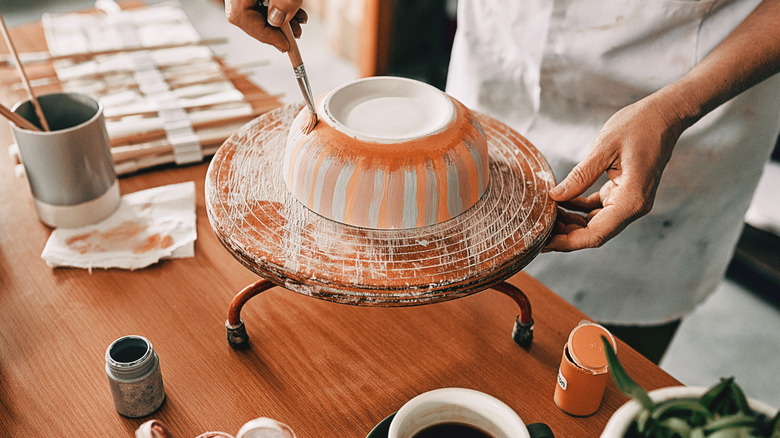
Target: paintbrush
[
  {"x": 300, "y": 75},
  {"x": 33, "y": 98},
  {"x": 17, "y": 119}
]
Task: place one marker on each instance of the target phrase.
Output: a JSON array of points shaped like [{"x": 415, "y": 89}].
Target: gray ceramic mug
[{"x": 69, "y": 168}]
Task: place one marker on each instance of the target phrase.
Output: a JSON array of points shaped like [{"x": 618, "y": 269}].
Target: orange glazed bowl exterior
[{"x": 387, "y": 153}]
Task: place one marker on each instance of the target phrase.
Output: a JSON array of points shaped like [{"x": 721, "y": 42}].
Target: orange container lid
[{"x": 586, "y": 348}]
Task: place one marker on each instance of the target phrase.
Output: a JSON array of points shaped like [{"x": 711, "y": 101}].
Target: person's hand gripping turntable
[{"x": 399, "y": 196}]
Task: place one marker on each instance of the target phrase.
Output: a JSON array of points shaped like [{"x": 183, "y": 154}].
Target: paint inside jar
[{"x": 129, "y": 350}]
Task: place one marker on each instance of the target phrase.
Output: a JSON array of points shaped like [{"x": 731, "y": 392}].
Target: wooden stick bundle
[
  {"x": 130, "y": 80},
  {"x": 144, "y": 137},
  {"x": 53, "y": 78},
  {"x": 23, "y": 75},
  {"x": 131, "y": 85},
  {"x": 248, "y": 98},
  {"x": 47, "y": 57}
]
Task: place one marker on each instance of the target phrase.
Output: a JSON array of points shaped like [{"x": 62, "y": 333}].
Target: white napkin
[
  {"x": 764, "y": 211},
  {"x": 148, "y": 226}
]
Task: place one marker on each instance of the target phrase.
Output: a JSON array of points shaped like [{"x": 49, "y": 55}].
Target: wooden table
[{"x": 326, "y": 369}]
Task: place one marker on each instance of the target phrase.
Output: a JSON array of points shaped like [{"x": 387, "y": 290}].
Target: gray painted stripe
[
  {"x": 376, "y": 198},
  {"x": 410, "y": 199},
  {"x": 340, "y": 196}
]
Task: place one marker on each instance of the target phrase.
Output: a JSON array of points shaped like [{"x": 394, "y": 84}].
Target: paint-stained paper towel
[{"x": 148, "y": 226}]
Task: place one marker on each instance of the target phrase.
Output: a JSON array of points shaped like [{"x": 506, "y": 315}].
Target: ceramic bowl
[
  {"x": 457, "y": 405},
  {"x": 387, "y": 153},
  {"x": 620, "y": 421}
]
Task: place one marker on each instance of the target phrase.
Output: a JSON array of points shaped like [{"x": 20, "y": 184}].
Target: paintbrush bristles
[{"x": 309, "y": 123}]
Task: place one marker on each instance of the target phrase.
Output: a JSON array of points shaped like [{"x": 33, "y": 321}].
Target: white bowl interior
[{"x": 388, "y": 109}]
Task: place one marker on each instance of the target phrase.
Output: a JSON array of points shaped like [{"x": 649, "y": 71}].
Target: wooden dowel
[
  {"x": 137, "y": 151},
  {"x": 17, "y": 119},
  {"x": 172, "y": 85},
  {"x": 23, "y": 75},
  {"x": 229, "y": 73},
  {"x": 213, "y": 60},
  {"x": 45, "y": 57},
  {"x": 158, "y": 133},
  {"x": 247, "y": 99},
  {"x": 131, "y": 166}
]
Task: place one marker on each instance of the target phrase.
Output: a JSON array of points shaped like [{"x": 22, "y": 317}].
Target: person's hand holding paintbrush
[{"x": 278, "y": 23}]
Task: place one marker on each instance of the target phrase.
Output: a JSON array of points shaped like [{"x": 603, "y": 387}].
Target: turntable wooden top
[{"x": 264, "y": 227}]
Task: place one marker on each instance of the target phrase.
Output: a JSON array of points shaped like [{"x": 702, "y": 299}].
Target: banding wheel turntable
[{"x": 357, "y": 214}]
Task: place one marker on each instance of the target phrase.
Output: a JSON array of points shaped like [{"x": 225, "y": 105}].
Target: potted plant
[{"x": 721, "y": 411}]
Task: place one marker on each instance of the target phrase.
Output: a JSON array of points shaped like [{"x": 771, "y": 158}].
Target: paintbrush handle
[
  {"x": 294, "y": 53},
  {"x": 297, "y": 63},
  {"x": 23, "y": 75},
  {"x": 17, "y": 119}
]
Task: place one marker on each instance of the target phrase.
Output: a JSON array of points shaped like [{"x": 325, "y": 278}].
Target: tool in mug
[{"x": 23, "y": 75}]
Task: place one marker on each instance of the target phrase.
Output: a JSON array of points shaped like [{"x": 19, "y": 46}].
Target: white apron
[{"x": 556, "y": 70}]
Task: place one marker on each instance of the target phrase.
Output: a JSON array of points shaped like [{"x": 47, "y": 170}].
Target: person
[{"x": 616, "y": 95}]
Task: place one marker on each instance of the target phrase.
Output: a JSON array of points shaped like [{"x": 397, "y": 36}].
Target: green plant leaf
[
  {"x": 622, "y": 380},
  {"x": 643, "y": 422},
  {"x": 775, "y": 429},
  {"x": 715, "y": 396},
  {"x": 726, "y": 398},
  {"x": 737, "y": 432},
  {"x": 674, "y": 427},
  {"x": 730, "y": 422},
  {"x": 688, "y": 409},
  {"x": 740, "y": 402}
]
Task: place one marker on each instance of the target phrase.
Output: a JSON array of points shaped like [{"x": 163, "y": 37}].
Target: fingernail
[
  {"x": 275, "y": 17},
  {"x": 557, "y": 190}
]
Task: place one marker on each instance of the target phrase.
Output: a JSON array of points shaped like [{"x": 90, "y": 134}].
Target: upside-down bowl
[{"x": 387, "y": 153}]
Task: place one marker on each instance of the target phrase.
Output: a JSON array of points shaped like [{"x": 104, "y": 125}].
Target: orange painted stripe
[
  {"x": 395, "y": 198},
  {"x": 466, "y": 162},
  {"x": 440, "y": 170},
  {"x": 352, "y": 186},
  {"x": 363, "y": 197},
  {"x": 382, "y": 220},
  {"x": 313, "y": 172}
]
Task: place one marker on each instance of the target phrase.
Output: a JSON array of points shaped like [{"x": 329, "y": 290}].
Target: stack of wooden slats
[{"x": 167, "y": 98}]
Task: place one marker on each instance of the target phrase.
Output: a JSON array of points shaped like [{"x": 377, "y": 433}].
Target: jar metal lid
[{"x": 586, "y": 348}]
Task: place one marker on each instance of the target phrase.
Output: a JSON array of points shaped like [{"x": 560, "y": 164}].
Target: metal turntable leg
[
  {"x": 237, "y": 337},
  {"x": 236, "y": 331},
  {"x": 523, "y": 332}
]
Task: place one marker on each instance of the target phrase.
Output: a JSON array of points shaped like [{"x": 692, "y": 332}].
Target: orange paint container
[{"x": 583, "y": 373}]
